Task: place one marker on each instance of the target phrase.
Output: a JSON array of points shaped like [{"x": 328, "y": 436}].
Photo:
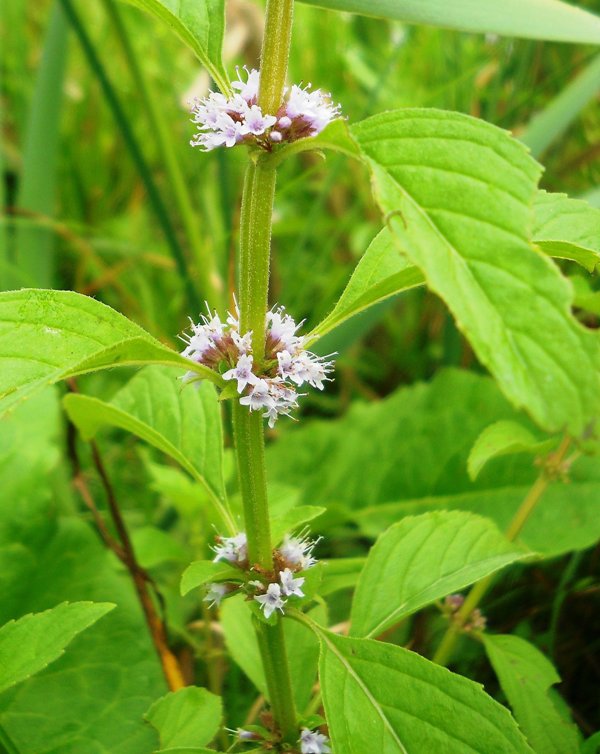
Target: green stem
[
  {"x": 210, "y": 281},
  {"x": 551, "y": 467},
  {"x": 255, "y": 248},
  {"x": 131, "y": 142}
]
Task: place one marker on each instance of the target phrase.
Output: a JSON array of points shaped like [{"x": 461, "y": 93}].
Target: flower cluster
[
  {"x": 270, "y": 387},
  {"x": 477, "y": 620},
  {"x": 274, "y": 588},
  {"x": 293, "y": 556},
  {"x": 225, "y": 122}
]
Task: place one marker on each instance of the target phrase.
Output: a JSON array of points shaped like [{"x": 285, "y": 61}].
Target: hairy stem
[
  {"x": 255, "y": 249},
  {"x": 552, "y": 465}
]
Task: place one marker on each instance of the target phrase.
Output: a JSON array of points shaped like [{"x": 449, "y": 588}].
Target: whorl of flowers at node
[
  {"x": 270, "y": 589},
  {"x": 286, "y": 366},
  {"x": 476, "y": 622},
  {"x": 226, "y": 122}
]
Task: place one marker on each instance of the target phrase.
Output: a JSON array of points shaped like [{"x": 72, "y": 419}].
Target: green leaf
[
  {"x": 336, "y": 136},
  {"x": 31, "y": 643},
  {"x": 457, "y": 193},
  {"x": 532, "y": 19},
  {"x": 550, "y": 124},
  {"x": 381, "y": 697},
  {"x": 183, "y": 422},
  {"x": 92, "y": 698},
  {"x": 415, "y": 460},
  {"x": 47, "y": 336},
  {"x": 526, "y": 676},
  {"x": 302, "y": 648},
  {"x": 200, "y": 25},
  {"x": 35, "y": 253},
  {"x": 503, "y": 438},
  {"x": 567, "y": 228},
  {"x": 341, "y": 573},
  {"x": 188, "y": 717},
  {"x": 421, "y": 559},
  {"x": 153, "y": 547},
  {"x": 382, "y": 272},
  {"x": 202, "y": 571},
  {"x": 292, "y": 520},
  {"x": 591, "y": 745}
]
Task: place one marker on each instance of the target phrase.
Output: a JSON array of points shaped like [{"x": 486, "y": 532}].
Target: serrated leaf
[
  {"x": 31, "y": 643},
  {"x": 183, "y": 422},
  {"x": 532, "y": 19},
  {"x": 47, "y": 336},
  {"x": 526, "y": 677},
  {"x": 415, "y": 460},
  {"x": 424, "y": 558},
  {"x": 204, "y": 571},
  {"x": 457, "y": 193},
  {"x": 302, "y": 648},
  {"x": 200, "y": 25},
  {"x": 567, "y": 228},
  {"x": 381, "y": 697},
  {"x": 503, "y": 438},
  {"x": 188, "y": 717},
  {"x": 383, "y": 271}
]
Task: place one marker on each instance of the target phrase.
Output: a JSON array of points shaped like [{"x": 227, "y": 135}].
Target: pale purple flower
[
  {"x": 291, "y": 586},
  {"x": 215, "y": 594},
  {"x": 242, "y": 372},
  {"x": 255, "y": 122},
  {"x": 259, "y": 396},
  {"x": 313, "y": 107},
  {"x": 313, "y": 742},
  {"x": 271, "y": 601}
]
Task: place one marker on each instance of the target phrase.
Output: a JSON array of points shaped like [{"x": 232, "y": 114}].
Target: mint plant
[{"x": 461, "y": 214}]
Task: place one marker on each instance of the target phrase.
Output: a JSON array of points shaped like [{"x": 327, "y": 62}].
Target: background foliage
[{"x": 81, "y": 212}]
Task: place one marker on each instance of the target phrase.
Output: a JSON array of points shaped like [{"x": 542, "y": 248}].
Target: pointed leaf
[
  {"x": 526, "y": 677},
  {"x": 457, "y": 193},
  {"x": 380, "y": 697},
  {"x": 567, "y": 228},
  {"x": 188, "y": 717},
  {"x": 421, "y": 559},
  {"x": 182, "y": 421},
  {"x": 532, "y": 19},
  {"x": 31, "y": 643},
  {"x": 200, "y": 25},
  {"x": 503, "y": 438},
  {"x": 202, "y": 572},
  {"x": 548, "y": 126},
  {"x": 47, "y": 336},
  {"x": 382, "y": 272}
]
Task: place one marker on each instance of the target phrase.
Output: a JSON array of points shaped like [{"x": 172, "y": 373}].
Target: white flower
[
  {"x": 232, "y": 549},
  {"x": 297, "y": 551},
  {"x": 242, "y": 372},
  {"x": 215, "y": 594},
  {"x": 281, "y": 329},
  {"x": 259, "y": 397},
  {"x": 247, "y": 89},
  {"x": 271, "y": 601},
  {"x": 313, "y": 742},
  {"x": 289, "y": 585},
  {"x": 313, "y": 107},
  {"x": 255, "y": 122}
]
